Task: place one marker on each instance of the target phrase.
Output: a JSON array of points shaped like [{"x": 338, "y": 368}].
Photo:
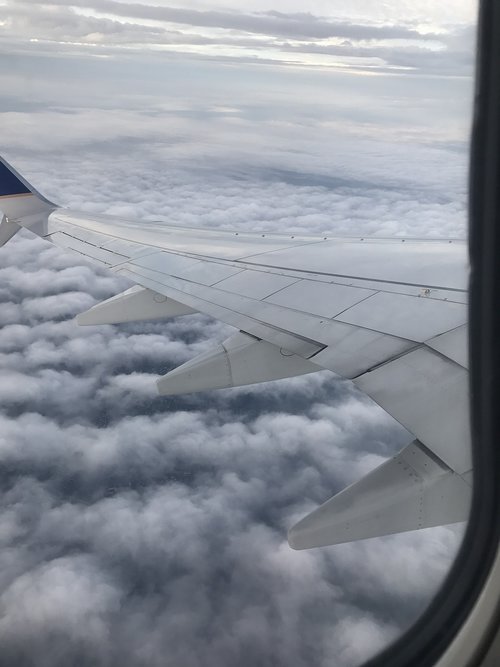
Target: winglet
[
  {"x": 21, "y": 203},
  {"x": 7, "y": 230}
]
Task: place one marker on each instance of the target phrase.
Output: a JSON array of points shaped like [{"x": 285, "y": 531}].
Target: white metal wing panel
[
  {"x": 209, "y": 273},
  {"x": 192, "y": 270},
  {"x": 127, "y": 248},
  {"x": 443, "y": 294},
  {"x": 319, "y": 298},
  {"x": 429, "y": 395},
  {"x": 256, "y": 284},
  {"x": 168, "y": 263},
  {"x": 106, "y": 257},
  {"x": 430, "y": 264},
  {"x": 204, "y": 242},
  {"x": 411, "y": 317},
  {"x": 81, "y": 233},
  {"x": 453, "y": 344},
  {"x": 358, "y": 350}
]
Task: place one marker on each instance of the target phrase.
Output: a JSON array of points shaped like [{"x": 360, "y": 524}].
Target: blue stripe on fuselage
[{"x": 10, "y": 184}]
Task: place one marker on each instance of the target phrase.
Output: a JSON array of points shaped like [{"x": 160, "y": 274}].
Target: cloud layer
[
  {"x": 371, "y": 41},
  {"x": 139, "y": 530}
]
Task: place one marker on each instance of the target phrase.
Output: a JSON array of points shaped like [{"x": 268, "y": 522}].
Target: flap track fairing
[
  {"x": 240, "y": 360},
  {"x": 136, "y": 303}
]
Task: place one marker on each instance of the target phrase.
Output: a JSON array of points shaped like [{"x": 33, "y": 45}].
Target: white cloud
[{"x": 137, "y": 526}]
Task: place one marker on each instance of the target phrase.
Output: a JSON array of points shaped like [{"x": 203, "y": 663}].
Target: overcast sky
[{"x": 144, "y": 531}]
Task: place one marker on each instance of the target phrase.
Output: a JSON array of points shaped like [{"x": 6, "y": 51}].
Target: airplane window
[{"x": 278, "y": 193}]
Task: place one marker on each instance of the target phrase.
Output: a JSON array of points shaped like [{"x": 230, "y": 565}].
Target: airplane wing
[{"x": 388, "y": 314}]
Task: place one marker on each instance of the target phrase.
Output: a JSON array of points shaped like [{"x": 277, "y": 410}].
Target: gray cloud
[
  {"x": 454, "y": 57},
  {"x": 141, "y": 530},
  {"x": 271, "y": 38},
  {"x": 137, "y": 527},
  {"x": 296, "y": 25}
]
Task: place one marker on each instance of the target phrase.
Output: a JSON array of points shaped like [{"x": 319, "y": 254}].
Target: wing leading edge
[{"x": 391, "y": 315}]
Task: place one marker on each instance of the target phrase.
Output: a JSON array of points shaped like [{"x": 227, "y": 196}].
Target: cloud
[
  {"x": 145, "y": 530},
  {"x": 138, "y": 526},
  {"x": 260, "y": 173},
  {"x": 64, "y": 598},
  {"x": 371, "y": 44},
  {"x": 454, "y": 57},
  {"x": 296, "y": 25}
]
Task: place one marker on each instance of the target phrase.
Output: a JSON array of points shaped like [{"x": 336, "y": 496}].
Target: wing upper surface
[{"x": 385, "y": 313}]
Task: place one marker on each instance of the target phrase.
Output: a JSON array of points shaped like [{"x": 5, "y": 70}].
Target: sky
[{"x": 139, "y": 530}]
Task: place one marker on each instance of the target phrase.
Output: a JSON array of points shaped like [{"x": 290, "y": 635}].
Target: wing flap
[
  {"x": 413, "y": 317},
  {"x": 429, "y": 395},
  {"x": 453, "y": 344}
]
